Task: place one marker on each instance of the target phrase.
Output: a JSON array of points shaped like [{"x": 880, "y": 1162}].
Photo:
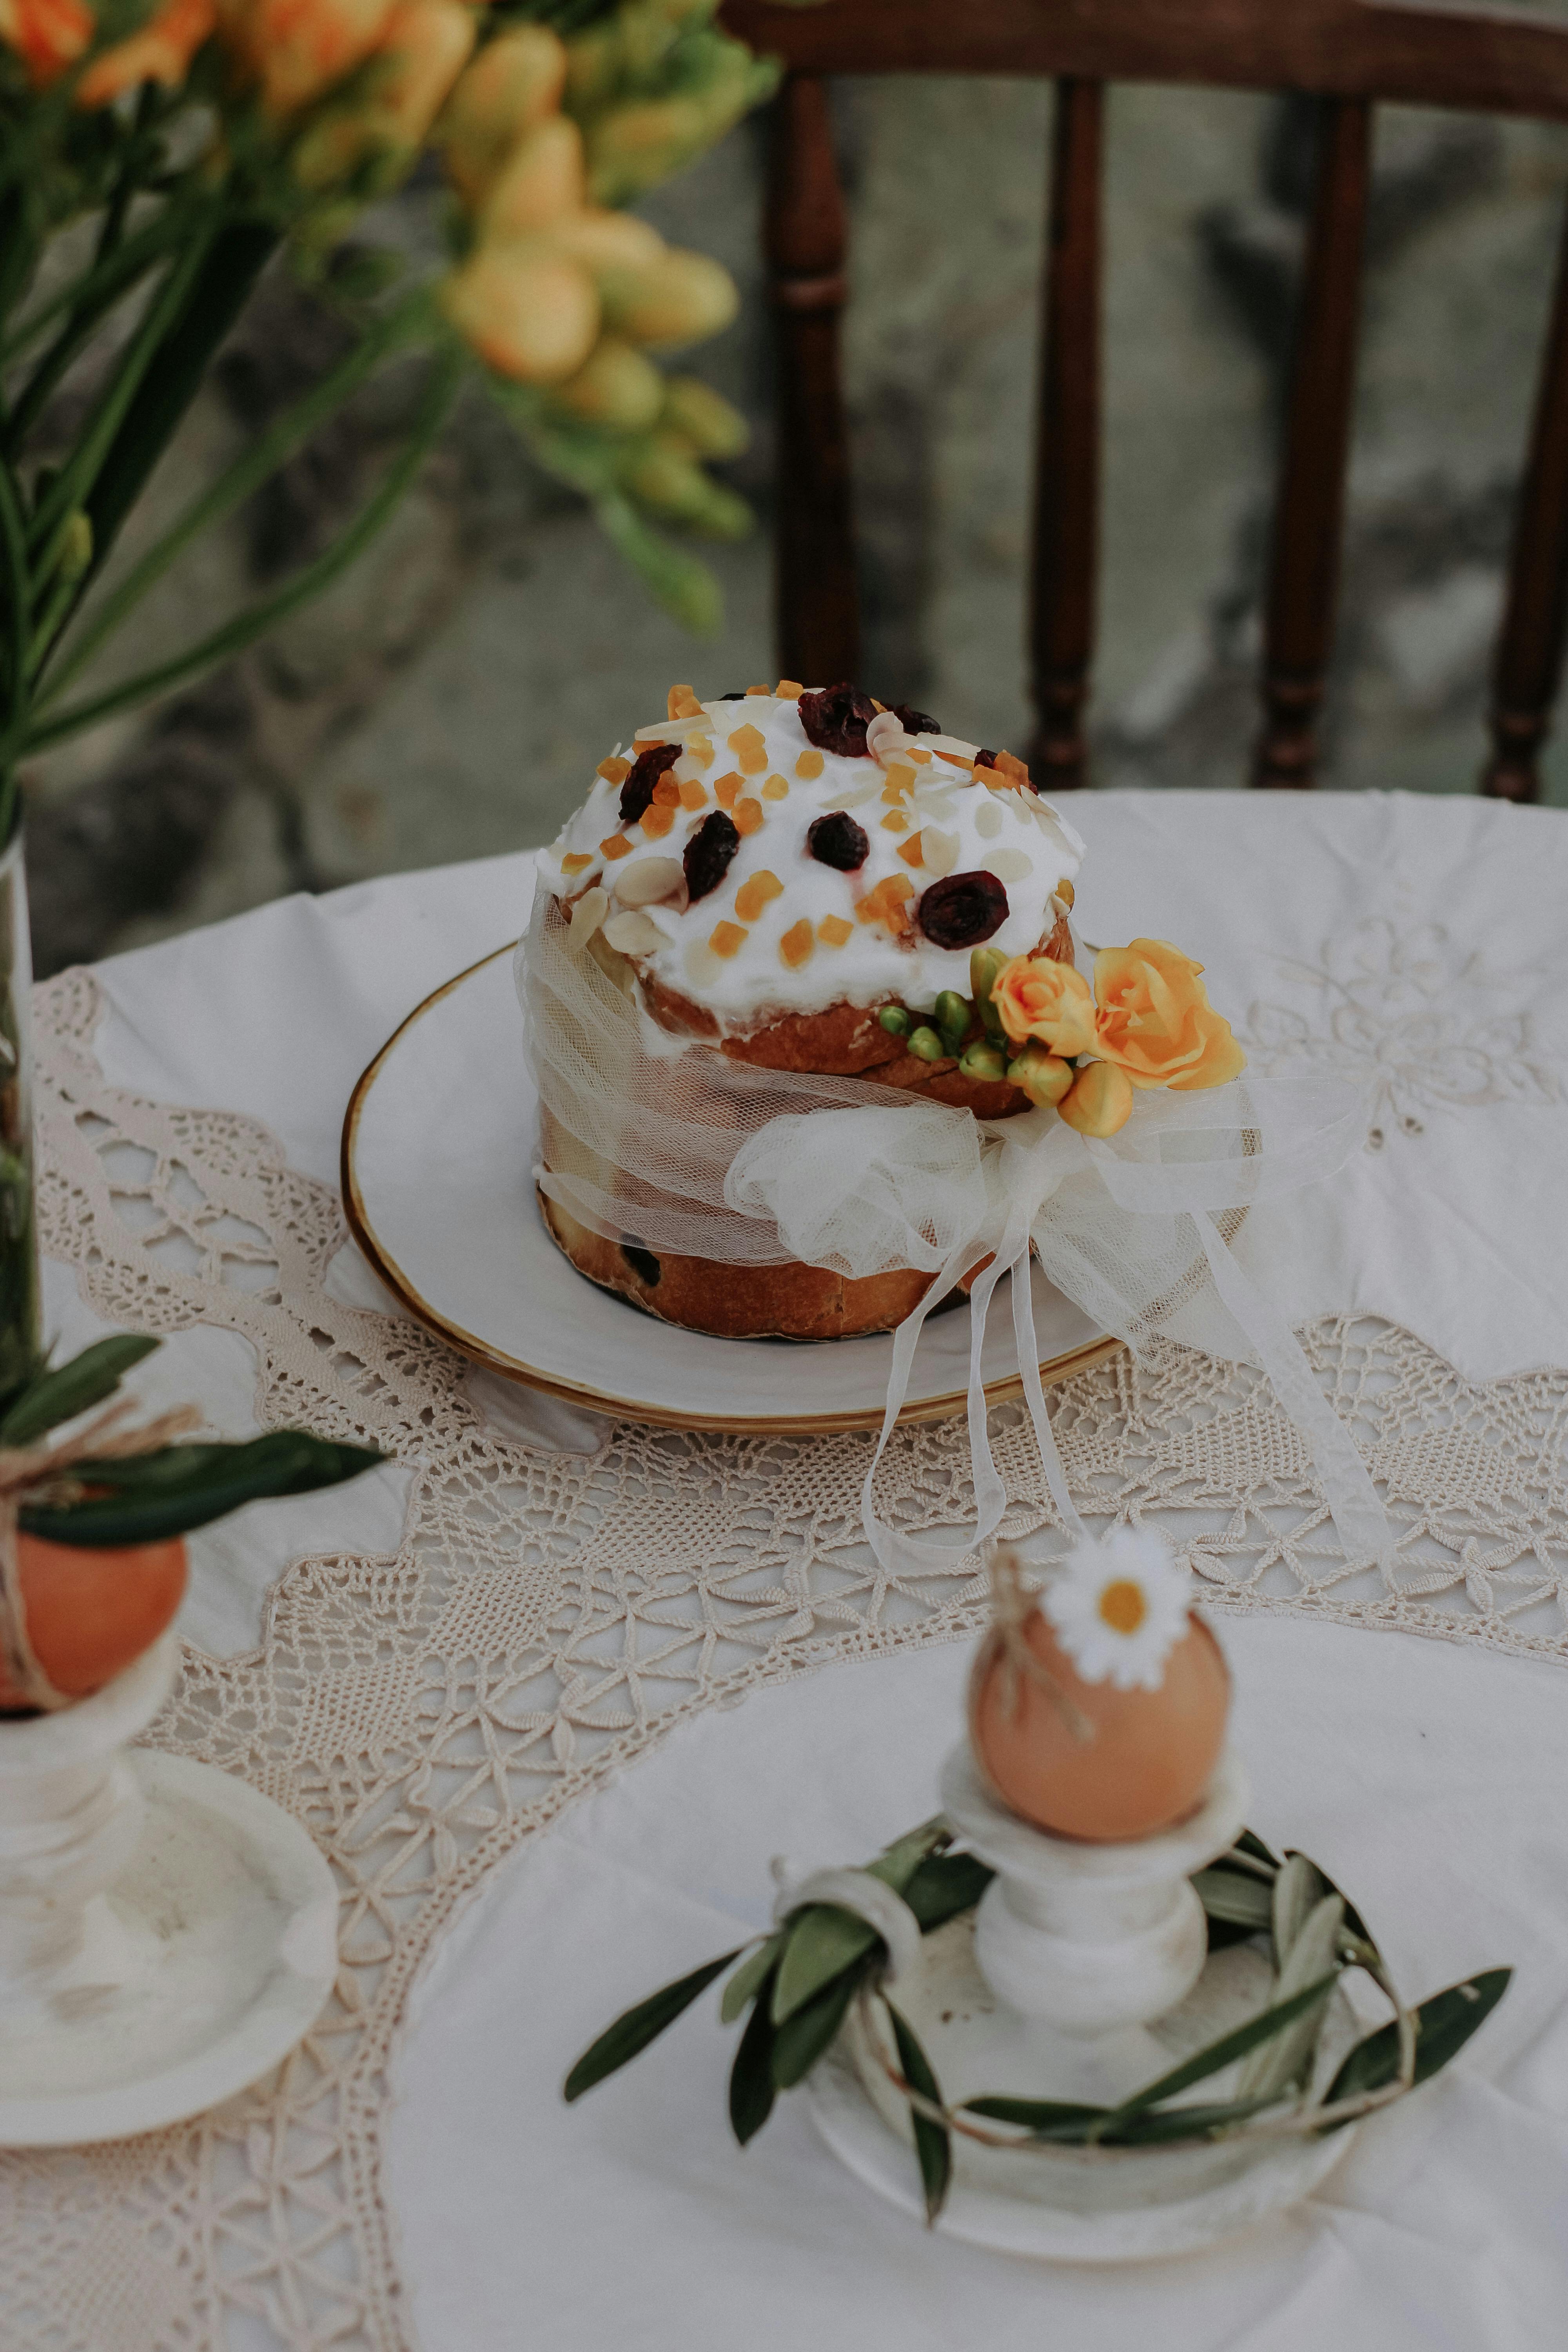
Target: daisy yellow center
[{"x": 1123, "y": 1606}]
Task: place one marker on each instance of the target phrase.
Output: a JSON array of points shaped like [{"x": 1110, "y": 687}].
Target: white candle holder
[
  {"x": 166, "y": 1932},
  {"x": 1091, "y": 1943}
]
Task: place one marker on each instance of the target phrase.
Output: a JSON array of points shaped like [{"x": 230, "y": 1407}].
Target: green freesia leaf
[
  {"x": 1223, "y": 2053},
  {"x": 747, "y": 1978},
  {"x": 153, "y": 1496},
  {"x": 751, "y": 2088},
  {"x": 822, "y": 1941},
  {"x": 635, "y": 2028},
  {"x": 1443, "y": 2026},
  {"x": 933, "y": 2141},
  {"x": 69, "y": 1389},
  {"x": 800, "y": 2042}
]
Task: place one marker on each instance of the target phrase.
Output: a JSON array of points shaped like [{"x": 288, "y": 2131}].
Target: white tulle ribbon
[{"x": 689, "y": 1152}]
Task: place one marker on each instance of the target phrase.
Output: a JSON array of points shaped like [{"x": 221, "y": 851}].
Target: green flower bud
[
  {"x": 76, "y": 551},
  {"x": 704, "y": 417},
  {"x": 928, "y": 1045},
  {"x": 983, "y": 1060},
  {"x": 895, "y": 1020},
  {"x": 952, "y": 1011},
  {"x": 984, "y": 963}
]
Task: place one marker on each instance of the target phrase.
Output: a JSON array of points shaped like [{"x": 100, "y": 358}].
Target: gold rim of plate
[{"x": 1053, "y": 1369}]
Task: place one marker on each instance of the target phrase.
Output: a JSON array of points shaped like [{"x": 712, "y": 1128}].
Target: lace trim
[{"x": 539, "y": 1627}]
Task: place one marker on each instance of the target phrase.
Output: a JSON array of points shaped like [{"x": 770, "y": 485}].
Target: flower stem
[{"x": 259, "y": 618}]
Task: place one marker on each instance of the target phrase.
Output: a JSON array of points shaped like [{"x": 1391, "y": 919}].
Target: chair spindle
[
  {"x": 818, "y": 620},
  {"x": 1066, "y": 464},
  {"x": 1309, "y": 511},
  {"x": 1529, "y": 650}
]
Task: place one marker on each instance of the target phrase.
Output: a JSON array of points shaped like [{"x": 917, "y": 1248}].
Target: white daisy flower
[{"x": 1118, "y": 1607}]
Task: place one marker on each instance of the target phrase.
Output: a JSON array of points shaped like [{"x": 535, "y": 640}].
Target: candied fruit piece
[
  {"x": 682, "y": 703},
  {"x": 748, "y": 817},
  {"x": 832, "y": 930},
  {"x": 775, "y": 789},
  {"x": 707, "y": 857},
  {"x": 895, "y": 822},
  {"x": 749, "y": 758},
  {"x": 726, "y": 939},
  {"x": 616, "y": 844},
  {"x": 837, "y": 841},
  {"x": 667, "y": 793},
  {"x": 693, "y": 795},
  {"x": 701, "y": 749},
  {"x": 646, "y": 773},
  {"x": 961, "y": 909},
  {"x": 796, "y": 944},
  {"x": 789, "y": 690},
  {"x": 914, "y": 849},
  {"x": 899, "y": 778},
  {"x": 913, "y": 752},
  {"x": 575, "y": 861},
  {"x": 835, "y": 719},
  {"x": 1065, "y": 893},
  {"x": 915, "y": 722},
  {"x": 615, "y": 770},
  {"x": 809, "y": 764},
  {"x": 728, "y": 789},
  {"x": 755, "y": 894},
  {"x": 760, "y": 689},
  {"x": 657, "y": 820},
  {"x": 896, "y": 885},
  {"x": 1012, "y": 772}
]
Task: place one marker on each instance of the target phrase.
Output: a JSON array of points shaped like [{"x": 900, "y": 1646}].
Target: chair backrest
[{"x": 1348, "y": 55}]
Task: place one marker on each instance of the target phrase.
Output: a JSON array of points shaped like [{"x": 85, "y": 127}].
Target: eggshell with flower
[{"x": 1099, "y": 1713}]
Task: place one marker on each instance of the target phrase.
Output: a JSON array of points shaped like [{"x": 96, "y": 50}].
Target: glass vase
[{"x": 18, "y": 1230}]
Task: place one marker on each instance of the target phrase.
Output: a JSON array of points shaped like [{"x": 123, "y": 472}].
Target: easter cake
[{"x": 798, "y": 880}]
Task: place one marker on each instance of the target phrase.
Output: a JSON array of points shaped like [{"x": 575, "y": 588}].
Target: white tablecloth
[{"x": 1417, "y": 943}]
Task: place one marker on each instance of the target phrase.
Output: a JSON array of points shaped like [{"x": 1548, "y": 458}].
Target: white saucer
[
  {"x": 437, "y": 1154},
  {"x": 206, "y": 1962}
]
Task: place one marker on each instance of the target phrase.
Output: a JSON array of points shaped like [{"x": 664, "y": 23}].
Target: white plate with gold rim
[{"x": 437, "y": 1149}]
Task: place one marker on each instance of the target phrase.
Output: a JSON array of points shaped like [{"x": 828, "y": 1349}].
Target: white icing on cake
[{"x": 1012, "y": 833}]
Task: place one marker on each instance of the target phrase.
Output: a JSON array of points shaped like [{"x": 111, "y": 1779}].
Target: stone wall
[{"x": 451, "y": 696}]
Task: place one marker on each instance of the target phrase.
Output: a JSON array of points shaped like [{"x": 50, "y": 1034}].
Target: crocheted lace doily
[{"x": 548, "y": 1616}]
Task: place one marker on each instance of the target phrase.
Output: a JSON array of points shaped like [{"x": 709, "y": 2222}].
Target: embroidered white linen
[{"x": 682, "y": 1150}]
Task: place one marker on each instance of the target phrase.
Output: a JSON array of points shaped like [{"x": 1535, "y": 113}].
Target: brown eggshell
[
  {"x": 90, "y": 1614},
  {"x": 1149, "y": 1762}
]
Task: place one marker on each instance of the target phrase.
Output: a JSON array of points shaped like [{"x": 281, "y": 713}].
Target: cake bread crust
[{"x": 800, "y": 985}]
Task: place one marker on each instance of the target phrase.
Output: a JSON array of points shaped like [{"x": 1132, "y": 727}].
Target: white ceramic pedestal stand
[
  {"x": 166, "y": 1933},
  {"x": 1082, "y": 1976}
]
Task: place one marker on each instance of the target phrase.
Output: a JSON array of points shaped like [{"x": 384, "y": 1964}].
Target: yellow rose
[
  {"x": 1155, "y": 1021},
  {"x": 1098, "y": 1101},
  {"x": 1033, "y": 996},
  {"x": 47, "y": 35}
]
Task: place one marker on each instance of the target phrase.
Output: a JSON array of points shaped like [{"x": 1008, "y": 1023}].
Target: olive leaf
[
  {"x": 1443, "y": 2026},
  {"x": 747, "y": 1978},
  {"x": 1239, "y": 1900},
  {"x": 148, "y": 1497},
  {"x": 933, "y": 2141},
  {"x": 1247, "y": 1843},
  {"x": 1230, "y": 2046},
  {"x": 1196, "y": 2122},
  {"x": 1308, "y": 1959},
  {"x": 1044, "y": 2118},
  {"x": 635, "y": 2028},
  {"x": 943, "y": 1886},
  {"x": 822, "y": 1941},
  {"x": 800, "y": 2042},
  {"x": 1298, "y": 1888},
  {"x": 752, "y": 2085},
  {"x": 896, "y": 1863},
  {"x": 69, "y": 1389}
]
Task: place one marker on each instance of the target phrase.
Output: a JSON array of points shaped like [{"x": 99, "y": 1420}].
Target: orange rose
[
  {"x": 162, "y": 51},
  {"x": 1036, "y": 997},
  {"x": 47, "y": 35},
  {"x": 296, "y": 49},
  {"x": 1155, "y": 1021}
]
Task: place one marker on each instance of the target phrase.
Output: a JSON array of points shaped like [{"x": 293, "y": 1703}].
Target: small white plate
[
  {"x": 206, "y": 1963},
  {"x": 437, "y": 1154}
]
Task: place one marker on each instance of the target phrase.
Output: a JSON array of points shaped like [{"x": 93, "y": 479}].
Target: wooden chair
[{"x": 1348, "y": 54}]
